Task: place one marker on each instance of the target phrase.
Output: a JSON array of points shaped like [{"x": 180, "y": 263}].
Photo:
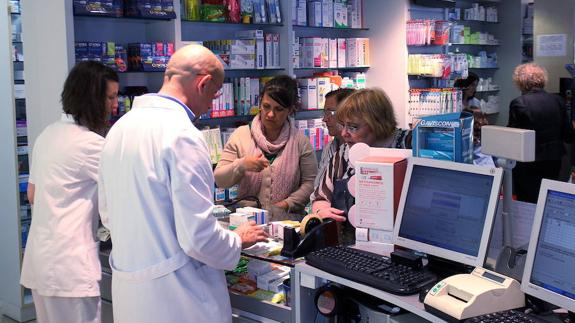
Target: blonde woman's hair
[
  {"x": 374, "y": 107},
  {"x": 529, "y": 76}
]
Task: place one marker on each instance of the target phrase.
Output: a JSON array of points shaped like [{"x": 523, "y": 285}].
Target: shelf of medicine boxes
[
  {"x": 234, "y": 25},
  {"x": 451, "y": 45},
  {"x": 122, "y": 18},
  {"x": 478, "y": 22},
  {"x": 204, "y": 30},
  {"x": 352, "y": 68},
  {"x": 122, "y": 30},
  {"x": 236, "y": 120},
  {"x": 125, "y": 30},
  {"x": 328, "y": 32},
  {"x": 252, "y": 72},
  {"x": 338, "y": 29}
]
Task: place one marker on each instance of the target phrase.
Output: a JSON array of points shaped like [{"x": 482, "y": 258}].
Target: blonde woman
[{"x": 366, "y": 116}]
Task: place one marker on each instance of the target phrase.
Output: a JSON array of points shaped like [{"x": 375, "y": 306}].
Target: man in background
[{"x": 332, "y": 100}]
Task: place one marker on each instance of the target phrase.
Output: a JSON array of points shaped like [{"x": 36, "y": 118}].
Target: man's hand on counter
[{"x": 250, "y": 233}]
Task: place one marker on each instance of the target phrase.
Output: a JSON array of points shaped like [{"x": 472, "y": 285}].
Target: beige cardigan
[{"x": 229, "y": 170}]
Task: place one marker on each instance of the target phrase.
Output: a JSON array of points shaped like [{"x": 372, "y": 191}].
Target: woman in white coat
[{"x": 61, "y": 264}]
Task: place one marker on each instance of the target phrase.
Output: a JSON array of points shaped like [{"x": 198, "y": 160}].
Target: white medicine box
[{"x": 378, "y": 184}]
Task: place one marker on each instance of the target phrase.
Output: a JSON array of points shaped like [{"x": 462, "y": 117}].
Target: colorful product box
[
  {"x": 378, "y": 184},
  {"x": 445, "y": 136}
]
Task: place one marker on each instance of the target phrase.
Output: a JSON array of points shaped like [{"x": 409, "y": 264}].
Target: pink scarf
[{"x": 284, "y": 169}]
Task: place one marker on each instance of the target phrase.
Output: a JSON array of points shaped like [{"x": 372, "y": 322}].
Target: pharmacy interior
[{"x": 433, "y": 228}]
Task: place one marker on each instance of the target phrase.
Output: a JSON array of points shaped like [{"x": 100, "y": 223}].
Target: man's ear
[{"x": 203, "y": 83}]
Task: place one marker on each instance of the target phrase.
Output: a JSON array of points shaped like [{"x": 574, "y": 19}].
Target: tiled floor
[{"x": 5, "y": 319}]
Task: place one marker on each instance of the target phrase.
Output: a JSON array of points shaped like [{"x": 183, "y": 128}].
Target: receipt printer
[{"x": 467, "y": 295}]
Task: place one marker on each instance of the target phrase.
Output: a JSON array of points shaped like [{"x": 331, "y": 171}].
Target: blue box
[
  {"x": 81, "y": 51},
  {"x": 445, "y": 136}
]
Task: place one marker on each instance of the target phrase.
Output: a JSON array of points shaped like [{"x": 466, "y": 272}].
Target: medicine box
[
  {"x": 445, "y": 136},
  {"x": 264, "y": 280},
  {"x": 378, "y": 184}
]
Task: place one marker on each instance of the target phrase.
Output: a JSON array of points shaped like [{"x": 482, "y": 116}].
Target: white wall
[
  {"x": 554, "y": 17},
  {"x": 508, "y": 54},
  {"x": 47, "y": 32},
  {"x": 388, "y": 51}
]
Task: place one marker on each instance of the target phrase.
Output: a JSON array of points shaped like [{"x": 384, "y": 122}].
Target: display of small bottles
[{"x": 432, "y": 101}]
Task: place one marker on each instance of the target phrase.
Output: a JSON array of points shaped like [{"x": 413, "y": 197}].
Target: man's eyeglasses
[
  {"x": 218, "y": 93},
  {"x": 351, "y": 128},
  {"x": 329, "y": 113}
]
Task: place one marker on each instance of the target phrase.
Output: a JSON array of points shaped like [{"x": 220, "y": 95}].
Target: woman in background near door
[
  {"x": 61, "y": 264},
  {"x": 472, "y": 105},
  {"x": 545, "y": 113},
  {"x": 469, "y": 87},
  {"x": 366, "y": 116},
  {"x": 270, "y": 158}
]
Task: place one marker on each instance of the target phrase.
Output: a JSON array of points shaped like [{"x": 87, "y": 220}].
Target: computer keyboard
[
  {"x": 370, "y": 269},
  {"x": 509, "y": 316}
]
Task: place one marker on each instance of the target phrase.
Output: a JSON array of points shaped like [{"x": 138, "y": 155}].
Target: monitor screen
[
  {"x": 447, "y": 209},
  {"x": 548, "y": 273}
]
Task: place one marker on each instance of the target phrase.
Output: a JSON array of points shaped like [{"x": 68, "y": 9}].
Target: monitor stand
[
  {"x": 511, "y": 262},
  {"x": 444, "y": 268}
]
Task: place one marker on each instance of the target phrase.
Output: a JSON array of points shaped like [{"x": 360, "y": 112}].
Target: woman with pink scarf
[{"x": 270, "y": 158}]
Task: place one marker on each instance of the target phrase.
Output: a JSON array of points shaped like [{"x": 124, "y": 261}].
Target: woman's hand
[
  {"x": 332, "y": 213},
  {"x": 255, "y": 163}
]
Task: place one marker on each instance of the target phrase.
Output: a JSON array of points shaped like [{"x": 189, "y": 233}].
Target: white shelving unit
[
  {"x": 506, "y": 30},
  {"x": 51, "y": 68},
  {"x": 15, "y": 301}
]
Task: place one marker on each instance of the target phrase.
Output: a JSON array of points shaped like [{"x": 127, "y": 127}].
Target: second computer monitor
[
  {"x": 550, "y": 263},
  {"x": 447, "y": 209}
]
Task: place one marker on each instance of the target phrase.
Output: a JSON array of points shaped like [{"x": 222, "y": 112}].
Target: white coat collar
[
  {"x": 68, "y": 118},
  {"x": 151, "y": 100}
]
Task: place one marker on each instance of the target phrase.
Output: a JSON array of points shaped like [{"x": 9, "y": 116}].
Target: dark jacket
[{"x": 545, "y": 113}]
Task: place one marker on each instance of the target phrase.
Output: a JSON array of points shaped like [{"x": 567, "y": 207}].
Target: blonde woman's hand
[{"x": 255, "y": 163}]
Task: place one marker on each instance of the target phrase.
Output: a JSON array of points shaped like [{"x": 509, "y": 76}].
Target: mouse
[{"x": 424, "y": 292}]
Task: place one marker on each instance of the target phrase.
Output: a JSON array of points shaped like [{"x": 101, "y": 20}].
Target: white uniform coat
[
  {"x": 61, "y": 257},
  {"x": 156, "y": 197}
]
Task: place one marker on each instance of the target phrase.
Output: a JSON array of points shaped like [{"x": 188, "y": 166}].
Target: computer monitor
[
  {"x": 447, "y": 209},
  {"x": 550, "y": 262}
]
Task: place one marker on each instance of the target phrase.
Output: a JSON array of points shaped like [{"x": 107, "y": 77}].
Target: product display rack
[{"x": 484, "y": 72}]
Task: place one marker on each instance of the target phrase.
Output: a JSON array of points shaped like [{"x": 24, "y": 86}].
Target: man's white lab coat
[{"x": 156, "y": 197}]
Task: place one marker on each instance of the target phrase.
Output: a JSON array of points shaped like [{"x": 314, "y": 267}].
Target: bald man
[{"x": 156, "y": 197}]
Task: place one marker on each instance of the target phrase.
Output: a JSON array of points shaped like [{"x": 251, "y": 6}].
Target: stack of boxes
[
  {"x": 317, "y": 52},
  {"x": 253, "y": 50},
  {"x": 328, "y": 13},
  {"x": 378, "y": 183}
]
